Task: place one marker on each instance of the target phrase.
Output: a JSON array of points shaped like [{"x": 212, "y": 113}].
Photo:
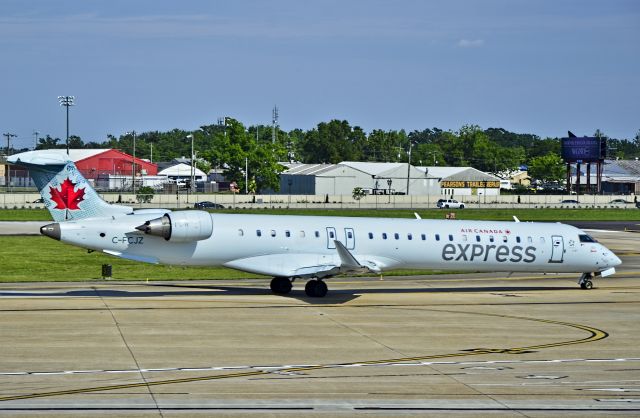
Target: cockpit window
[{"x": 586, "y": 238}]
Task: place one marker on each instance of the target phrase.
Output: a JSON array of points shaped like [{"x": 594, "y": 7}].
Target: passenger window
[
  {"x": 437, "y": 237},
  {"x": 450, "y": 237},
  {"x": 423, "y": 236},
  {"x": 490, "y": 238},
  {"x": 504, "y": 238},
  {"x": 287, "y": 234},
  {"x": 478, "y": 238},
  {"x": 409, "y": 237},
  {"x": 384, "y": 235},
  {"x": 258, "y": 232},
  {"x": 518, "y": 240},
  {"x": 370, "y": 235},
  {"x": 396, "y": 235},
  {"x": 240, "y": 232},
  {"x": 317, "y": 234},
  {"x": 464, "y": 237},
  {"x": 273, "y": 232},
  {"x": 530, "y": 240}
]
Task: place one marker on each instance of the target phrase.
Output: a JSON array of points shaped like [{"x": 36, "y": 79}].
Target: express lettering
[
  {"x": 133, "y": 240},
  {"x": 478, "y": 252}
]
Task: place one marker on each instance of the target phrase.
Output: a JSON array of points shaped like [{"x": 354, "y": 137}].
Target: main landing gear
[
  {"x": 281, "y": 285},
  {"x": 314, "y": 288},
  {"x": 585, "y": 281}
]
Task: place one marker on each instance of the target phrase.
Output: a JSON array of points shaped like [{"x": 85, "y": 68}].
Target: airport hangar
[{"x": 385, "y": 178}]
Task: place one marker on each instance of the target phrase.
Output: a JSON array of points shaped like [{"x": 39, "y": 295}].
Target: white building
[
  {"x": 182, "y": 172},
  {"x": 342, "y": 178}
]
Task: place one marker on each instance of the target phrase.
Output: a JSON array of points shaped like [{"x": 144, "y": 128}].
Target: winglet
[
  {"x": 515, "y": 218},
  {"x": 417, "y": 216}
]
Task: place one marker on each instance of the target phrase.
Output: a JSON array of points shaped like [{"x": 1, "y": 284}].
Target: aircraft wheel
[
  {"x": 321, "y": 289},
  {"x": 316, "y": 289},
  {"x": 310, "y": 288},
  {"x": 281, "y": 285},
  {"x": 587, "y": 284}
]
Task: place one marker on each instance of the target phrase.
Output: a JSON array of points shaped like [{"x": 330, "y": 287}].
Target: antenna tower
[{"x": 274, "y": 119}]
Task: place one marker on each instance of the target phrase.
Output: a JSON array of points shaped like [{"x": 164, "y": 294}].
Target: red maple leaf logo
[{"x": 66, "y": 198}]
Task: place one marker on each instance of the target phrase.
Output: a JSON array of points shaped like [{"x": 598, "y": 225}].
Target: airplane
[{"x": 312, "y": 248}]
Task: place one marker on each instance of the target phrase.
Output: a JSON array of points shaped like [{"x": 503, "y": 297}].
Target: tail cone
[{"x": 51, "y": 230}]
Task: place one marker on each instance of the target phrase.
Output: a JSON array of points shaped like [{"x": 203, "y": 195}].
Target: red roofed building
[{"x": 94, "y": 164}]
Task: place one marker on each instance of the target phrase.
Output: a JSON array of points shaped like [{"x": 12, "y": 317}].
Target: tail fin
[{"x": 66, "y": 193}]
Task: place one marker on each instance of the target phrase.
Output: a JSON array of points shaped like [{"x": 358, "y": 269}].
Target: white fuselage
[{"x": 281, "y": 245}]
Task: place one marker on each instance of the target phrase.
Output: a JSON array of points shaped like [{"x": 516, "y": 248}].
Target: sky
[{"x": 541, "y": 67}]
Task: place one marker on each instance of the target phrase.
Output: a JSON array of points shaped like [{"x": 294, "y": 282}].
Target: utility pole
[
  {"x": 409, "y": 166},
  {"x": 6, "y": 174},
  {"x": 67, "y": 101},
  {"x": 192, "y": 184},
  {"x": 133, "y": 163}
]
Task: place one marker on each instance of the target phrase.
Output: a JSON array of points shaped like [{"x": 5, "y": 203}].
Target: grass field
[
  {"x": 34, "y": 258},
  {"x": 39, "y": 259},
  {"x": 479, "y": 214}
]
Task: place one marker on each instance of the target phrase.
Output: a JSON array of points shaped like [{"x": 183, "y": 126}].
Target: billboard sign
[{"x": 582, "y": 149}]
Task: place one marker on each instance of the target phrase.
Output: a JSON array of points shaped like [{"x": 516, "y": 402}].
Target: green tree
[{"x": 547, "y": 168}]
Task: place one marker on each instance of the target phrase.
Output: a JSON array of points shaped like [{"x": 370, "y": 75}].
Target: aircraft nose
[
  {"x": 51, "y": 230},
  {"x": 615, "y": 261}
]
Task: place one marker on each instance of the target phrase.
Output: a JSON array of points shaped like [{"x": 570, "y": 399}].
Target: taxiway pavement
[{"x": 481, "y": 344}]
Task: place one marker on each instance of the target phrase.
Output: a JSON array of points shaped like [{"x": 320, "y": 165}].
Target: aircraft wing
[{"x": 309, "y": 265}]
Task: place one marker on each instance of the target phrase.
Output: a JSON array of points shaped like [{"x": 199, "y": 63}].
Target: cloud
[{"x": 470, "y": 43}]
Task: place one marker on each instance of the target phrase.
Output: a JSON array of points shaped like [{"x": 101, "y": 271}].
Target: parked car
[
  {"x": 449, "y": 204},
  {"x": 208, "y": 205},
  {"x": 41, "y": 200},
  {"x": 620, "y": 201},
  {"x": 570, "y": 202}
]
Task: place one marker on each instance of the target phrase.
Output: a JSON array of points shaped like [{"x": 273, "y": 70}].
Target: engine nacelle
[{"x": 183, "y": 226}]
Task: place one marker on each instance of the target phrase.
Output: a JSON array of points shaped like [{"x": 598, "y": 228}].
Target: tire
[
  {"x": 281, "y": 285},
  {"x": 461, "y": 206},
  {"x": 310, "y": 288}
]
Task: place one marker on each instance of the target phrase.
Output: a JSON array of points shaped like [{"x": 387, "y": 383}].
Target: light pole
[
  {"x": 389, "y": 181},
  {"x": 35, "y": 135},
  {"x": 193, "y": 183},
  {"x": 409, "y": 166},
  {"x": 133, "y": 162},
  {"x": 67, "y": 101}
]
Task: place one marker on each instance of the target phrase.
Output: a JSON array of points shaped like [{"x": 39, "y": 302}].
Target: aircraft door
[
  {"x": 331, "y": 236},
  {"x": 350, "y": 238},
  {"x": 557, "y": 249}
]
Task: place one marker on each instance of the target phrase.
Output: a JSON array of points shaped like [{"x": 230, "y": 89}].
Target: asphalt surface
[{"x": 461, "y": 345}]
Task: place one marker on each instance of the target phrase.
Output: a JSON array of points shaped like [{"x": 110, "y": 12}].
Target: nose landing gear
[{"x": 585, "y": 281}]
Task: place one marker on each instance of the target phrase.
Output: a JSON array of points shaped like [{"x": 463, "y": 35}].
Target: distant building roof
[
  {"x": 373, "y": 168},
  {"x": 76, "y": 154},
  {"x": 181, "y": 170},
  {"x": 306, "y": 169}
]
